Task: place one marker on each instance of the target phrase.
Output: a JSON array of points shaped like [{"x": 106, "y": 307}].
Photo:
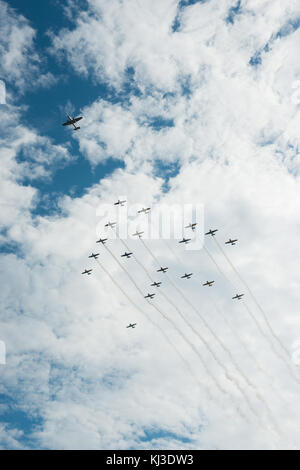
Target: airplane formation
[
  {"x": 162, "y": 269},
  {"x": 157, "y": 284}
]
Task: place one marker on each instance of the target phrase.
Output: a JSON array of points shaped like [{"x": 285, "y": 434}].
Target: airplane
[
  {"x": 187, "y": 276},
  {"x": 149, "y": 296},
  {"x": 192, "y": 226},
  {"x": 131, "y": 325},
  {"x": 94, "y": 255},
  {"x": 87, "y": 271},
  {"x": 71, "y": 121},
  {"x": 211, "y": 232},
  {"x": 208, "y": 283},
  {"x": 144, "y": 210},
  {"x": 110, "y": 224},
  {"x": 121, "y": 203},
  {"x": 101, "y": 240},
  {"x": 126, "y": 254},
  {"x": 232, "y": 242},
  {"x": 156, "y": 284},
  {"x": 137, "y": 234},
  {"x": 162, "y": 270},
  {"x": 238, "y": 296},
  {"x": 185, "y": 240}
]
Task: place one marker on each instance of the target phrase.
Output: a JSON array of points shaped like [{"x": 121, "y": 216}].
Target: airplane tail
[{"x": 76, "y": 128}]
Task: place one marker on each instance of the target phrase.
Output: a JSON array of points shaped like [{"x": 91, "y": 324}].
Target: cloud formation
[
  {"x": 212, "y": 92},
  {"x": 19, "y": 61}
]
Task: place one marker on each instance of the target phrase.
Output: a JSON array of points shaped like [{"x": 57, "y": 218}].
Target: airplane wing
[
  {"x": 77, "y": 119},
  {"x": 67, "y": 123}
]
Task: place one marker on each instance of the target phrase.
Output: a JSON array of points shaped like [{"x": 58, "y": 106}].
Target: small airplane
[
  {"x": 72, "y": 121},
  {"x": 192, "y": 226},
  {"x": 87, "y": 271},
  {"x": 102, "y": 240},
  {"x": 208, "y": 283},
  {"x": 211, "y": 232},
  {"x": 131, "y": 325},
  {"x": 145, "y": 210},
  {"x": 110, "y": 224},
  {"x": 232, "y": 242},
  {"x": 94, "y": 255},
  {"x": 185, "y": 240},
  {"x": 187, "y": 276},
  {"x": 149, "y": 296},
  {"x": 128, "y": 255},
  {"x": 156, "y": 284},
  {"x": 238, "y": 296},
  {"x": 162, "y": 270},
  {"x": 137, "y": 234},
  {"x": 121, "y": 203}
]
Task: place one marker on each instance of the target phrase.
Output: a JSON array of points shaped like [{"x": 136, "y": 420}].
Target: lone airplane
[
  {"x": 238, "y": 296},
  {"x": 192, "y": 226},
  {"x": 185, "y": 240},
  {"x": 211, "y": 232},
  {"x": 131, "y": 325},
  {"x": 102, "y": 240},
  {"x": 128, "y": 255},
  {"x": 72, "y": 121},
  {"x": 87, "y": 271},
  {"x": 94, "y": 255},
  {"x": 121, "y": 203},
  {"x": 208, "y": 283},
  {"x": 149, "y": 296},
  {"x": 162, "y": 270},
  {"x": 137, "y": 234},
  {"x": 187, "y": 276},
  {"x": 156, "y": 284},
  {"x": 110, "y": 224},
  {"x": 232, "y": 242},
  {"x": 145, "y": 210}
]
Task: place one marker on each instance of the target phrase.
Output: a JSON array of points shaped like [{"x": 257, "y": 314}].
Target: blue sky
[
  {"x": 183, "y": 102},
  {"x": 45, "y": 107}
]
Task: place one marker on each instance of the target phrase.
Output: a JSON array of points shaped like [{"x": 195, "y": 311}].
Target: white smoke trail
[
  {"x": 224, "y": 347},
  {"x": 253, "y": 298},
  {"x": 282, "y": 358},
  {"x": 245, "y": 305},
  {"x": 224, "y": 368},
  {"x": 182, "y": 358},
  {"x": 168, "y": 299},
  {"x": 217, "y": 384}
]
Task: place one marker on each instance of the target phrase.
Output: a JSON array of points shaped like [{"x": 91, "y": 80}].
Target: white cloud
[
  {"x": 26, "y": 155},
  {"x": 19, "y": 62},
  {"x": 2, "y": 92}
]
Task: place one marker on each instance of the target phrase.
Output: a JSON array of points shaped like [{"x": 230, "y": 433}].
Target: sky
[{"x": 185, "y": 104}]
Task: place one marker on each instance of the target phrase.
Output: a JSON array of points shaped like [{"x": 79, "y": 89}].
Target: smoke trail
[
  {"x": 208, "y": 393},
  {"x": 222, "y": 344},
  {"x": 253, "y": 317},
  {"x": 253, "y": 297},
  {"x": 223, "y": 367},
  {"x": 217, "y": 384},
  {"x": 179, "y": 312},
  {"x": 182, "y": 358},
  {"x": 172, "y": 251}
]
